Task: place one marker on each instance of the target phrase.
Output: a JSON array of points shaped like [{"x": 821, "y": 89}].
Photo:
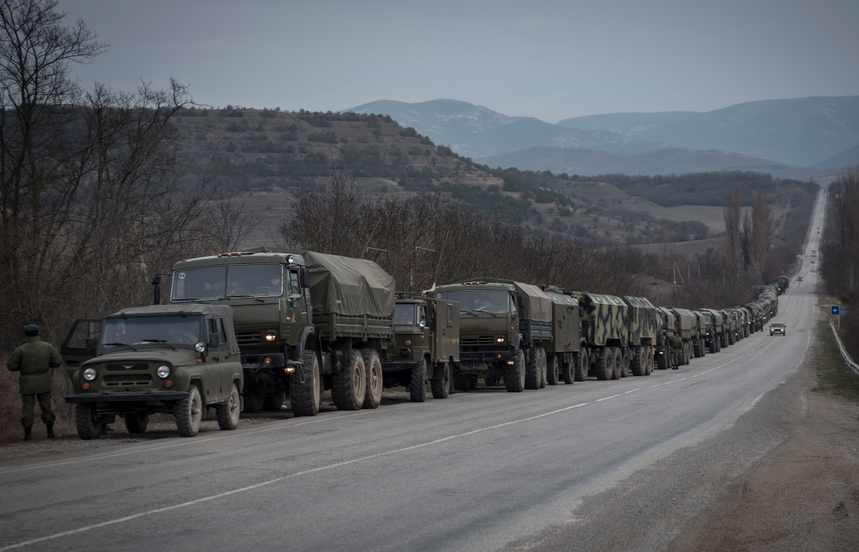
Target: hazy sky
[{"x": 546, "y": 59}]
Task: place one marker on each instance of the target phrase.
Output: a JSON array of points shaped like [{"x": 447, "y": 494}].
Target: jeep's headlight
[
  {"x": 90, "y": 374},
  {"x": 200, "y": 347},
  {"x": 163, "y": 371}
]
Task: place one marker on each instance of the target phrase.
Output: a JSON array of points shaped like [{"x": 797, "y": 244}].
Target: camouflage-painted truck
[
  {"x": 686, "y": 328},
  {"x": 730, "y": 324},
  {"x": 642, "y": 334},
  {"x": 603, "y": 351},
  {"x": 716, "y": 339},
  {"x": 425, "y": 347},
  {"x": 305, "y": 322},
  {"x": 505, "y": 327}
]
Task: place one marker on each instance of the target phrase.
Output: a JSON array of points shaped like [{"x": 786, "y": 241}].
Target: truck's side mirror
[
  {"x": 305, "y": 277},
  {"x": 214, "y": 340},
  {"x": 90, "y": 345}
]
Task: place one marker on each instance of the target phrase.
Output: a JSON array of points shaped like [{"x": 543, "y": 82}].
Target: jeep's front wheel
[
  {"x": 189, "y": 412},
  {"x": 89, "y": 425},
  {"x": 228, "y": 413}
]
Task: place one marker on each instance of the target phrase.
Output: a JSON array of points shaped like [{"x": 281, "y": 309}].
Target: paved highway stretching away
[{"x": 596, "y": 465}]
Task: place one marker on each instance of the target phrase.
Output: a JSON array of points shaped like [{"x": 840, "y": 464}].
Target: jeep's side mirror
[
  {"x": 90, "y": 345},
  {"x": 305, "y": 277},
  {"x": 214, "y": 340}
]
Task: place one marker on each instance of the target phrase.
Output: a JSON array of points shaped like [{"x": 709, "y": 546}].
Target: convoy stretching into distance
[{"x": 247, "y": 330}]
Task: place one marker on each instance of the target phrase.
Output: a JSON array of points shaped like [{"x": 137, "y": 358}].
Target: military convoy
[{"x": 252, "y": 328}]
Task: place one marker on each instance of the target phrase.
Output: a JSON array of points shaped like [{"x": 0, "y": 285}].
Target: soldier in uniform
[
  {"x": 34, "y": 359},
  {"x": 676, "y": 343}
]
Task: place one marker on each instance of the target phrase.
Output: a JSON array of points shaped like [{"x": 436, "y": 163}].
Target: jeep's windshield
[
  {"x": 480, "y": 300},
  {"x": 211, "y": 283},
  {"x": 143, "y": 332}
]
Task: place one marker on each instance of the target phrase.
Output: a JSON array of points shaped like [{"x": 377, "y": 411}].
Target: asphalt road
[{"x": 591, "y": 466}]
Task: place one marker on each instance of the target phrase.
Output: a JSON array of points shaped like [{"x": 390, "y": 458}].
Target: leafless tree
[{"x": 733, "y": 246}]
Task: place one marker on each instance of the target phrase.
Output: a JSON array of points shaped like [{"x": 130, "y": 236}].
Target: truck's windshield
[
  {"x": 480, "y": 300},
  {"x": 223, "y": 282},
  {"x": 404, "y": 314},
  {"x": 149, "y": 331}
]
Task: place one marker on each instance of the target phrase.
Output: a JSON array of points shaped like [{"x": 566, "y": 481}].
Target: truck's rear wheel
[
  {"x": 639, "y": 363},
  {"x": 514, "y": 374},
  {"x": 418, "y": 382},
  {"x": 617, "y": 369},
  {"x": 273, "y": 403},
  {"x": 605, "y": 364},
  {"x": 441, "y": 387},
  {"x": 533, "y": 371},
  {"x": 373, "y": 368},
  {"x": 583, "y": 366},
  {"x": 189, "y": 413},
  {"x": 624, "y": 363},
  {"x": 228, "y": 413},
  {"x": 136, "y": 423},
  {"x": 544, "y": 368},
  {"x": 254, "y": 402},
  {"x": 350, "y": 383},
  {"x": 304, "y": 386},
  {"x": 568, "y": 369},
  {"x": 461, "y": 383},
  {"x": 88, "y": 423},
  {"x": 552, "y": 370}
]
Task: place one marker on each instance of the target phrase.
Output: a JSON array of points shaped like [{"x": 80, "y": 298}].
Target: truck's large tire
[
  {"x": 533, "y": 371},
  {"x": 514, "y": 374},
  {"x": 648, "y": 352},
  {"x": 189, "y": 412},
  {"x": 638, "y": 366},
  {"x": 441, "y": 387},
  {"x": 605, "y": 364},
  {"x": 544, "y": 367},
  {"x": 418, "y": 382},
  {"x": 552, "y": 370},
  {"x": 88, "y": 424},
  {"x": 254, "y": 402},
  {"x": 373, "y": 369},
  {"x": 583, "y": 366},
  {"x": 662, "y": 361},
  {"x": 625, "y": 363},
  {"x": 349, "y": 385},
  {"x": 136, "y": 423},
  {"x": 568, "y": 370},
  {"x": 617, "y": 367},
  {"x": 305, "y": 386},
  {"x": 228, "y": 413}
]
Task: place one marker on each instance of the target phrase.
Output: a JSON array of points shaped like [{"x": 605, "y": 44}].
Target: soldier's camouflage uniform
[
  {"x": 34, "y": 359},
  {"x": 676, "y": 343}
]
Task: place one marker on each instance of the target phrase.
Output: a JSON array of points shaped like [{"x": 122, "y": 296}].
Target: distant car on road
[
  {"x": 799, "y": 278},
  {"x": 812, "y": 261},
  {"x": 777, "y": 329}
]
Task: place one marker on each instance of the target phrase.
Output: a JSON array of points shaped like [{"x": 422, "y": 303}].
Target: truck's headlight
[
  {"x": 163, "y": 371},
  {"x": 499, "y": 339},
  {"x": 90, "y": 374},
  {"x": 270, "y": 336},
  {"x": 200, "y": 347}
]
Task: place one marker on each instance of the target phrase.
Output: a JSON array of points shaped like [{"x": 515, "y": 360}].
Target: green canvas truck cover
[
  {"x": 536, "y": 305},
  {"x": 347, "y": 286}
]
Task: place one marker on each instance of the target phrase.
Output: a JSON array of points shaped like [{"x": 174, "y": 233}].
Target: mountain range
[{"x": 793, "y": 137}]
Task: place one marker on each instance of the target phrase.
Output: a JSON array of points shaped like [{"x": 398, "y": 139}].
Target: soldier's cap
[{"x": 31, "y": 329}]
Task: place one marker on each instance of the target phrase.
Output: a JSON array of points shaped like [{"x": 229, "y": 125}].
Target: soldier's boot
[
  {"x": 50, "y": 431},
  {"x": 28, "y": 434}
]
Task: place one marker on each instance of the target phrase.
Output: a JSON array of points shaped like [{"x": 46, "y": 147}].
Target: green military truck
[
  {"x": 716, "y": 338},
  {"x": 562, "y": 353},
  {"x": 642, "y": 334},
  {"x": 686, "y": 327},
  {"x": 157, "y": 359},
  {"x": 603, "y": 347},
  {"x": 505, "y": 327},
  {"x": 665, "y": 327},
  {"x": 305, "y": 322},
  {"x": 702, "y": 327},
  {"x": 425, "y": 348},
  {"x": 730, "y": 326}
]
